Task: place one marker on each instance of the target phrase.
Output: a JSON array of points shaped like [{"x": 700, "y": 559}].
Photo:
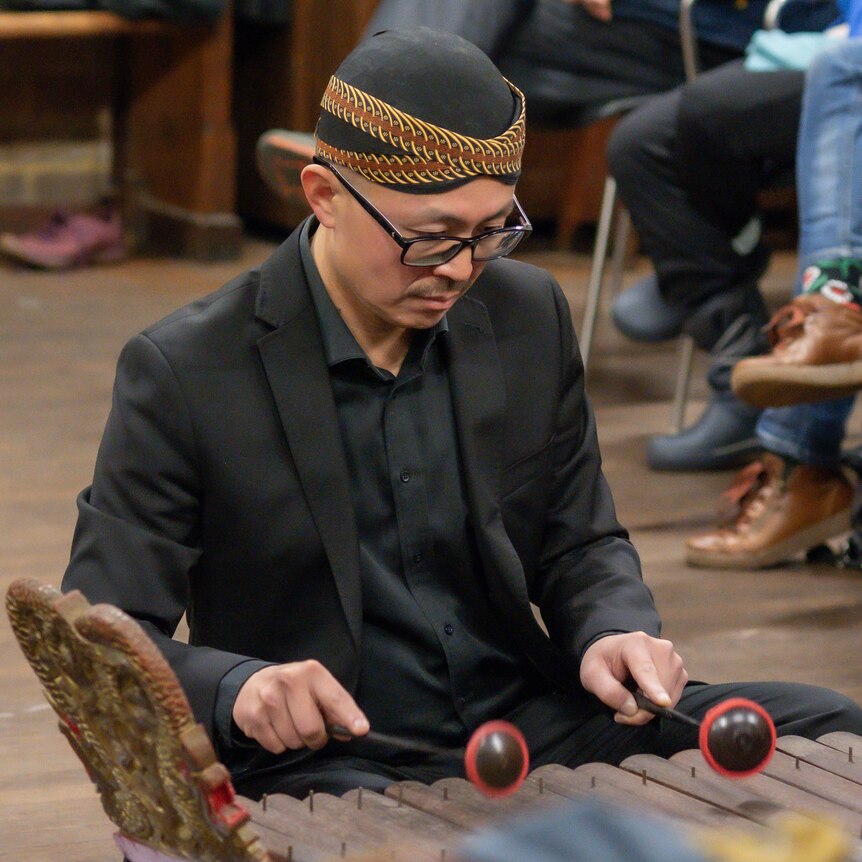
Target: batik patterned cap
[{"x": 422, "y": 111}]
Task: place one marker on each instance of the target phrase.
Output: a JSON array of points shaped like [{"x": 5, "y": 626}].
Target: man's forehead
[{"x": 481, "y": 198}]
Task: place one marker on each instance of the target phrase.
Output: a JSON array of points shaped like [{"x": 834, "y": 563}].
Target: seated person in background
[
  {"x": 726, "y": 129},
  {"x": 797, "y": 497},
  {"x": 355, "y": 477},
  {"x": 689, "y": 165},
  {"x": 566, "y": 55}
]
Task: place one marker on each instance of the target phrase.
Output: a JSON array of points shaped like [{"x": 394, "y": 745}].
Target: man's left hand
[{"x": 653, "y": 664}]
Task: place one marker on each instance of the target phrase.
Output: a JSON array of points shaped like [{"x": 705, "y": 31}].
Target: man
[
  {"x": 355, "y": 478},
  {"x": 572, "y": 56}
]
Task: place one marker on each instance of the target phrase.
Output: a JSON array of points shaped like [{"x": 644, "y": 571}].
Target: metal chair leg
[
  {"x": 621, "y": 241},
  {"x": 600, "y": 253},
  {"x": 683, "y": 376}
]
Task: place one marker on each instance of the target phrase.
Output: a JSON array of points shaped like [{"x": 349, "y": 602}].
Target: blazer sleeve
[
  {"x": 589, "y": 580},
  {"x": 137, "y": 540}
]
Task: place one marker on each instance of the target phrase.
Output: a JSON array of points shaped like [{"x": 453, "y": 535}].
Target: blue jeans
[{"x": 829, "y": 189}]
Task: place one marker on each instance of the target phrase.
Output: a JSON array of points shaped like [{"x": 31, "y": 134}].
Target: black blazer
[{"x": 221, "y": 486}]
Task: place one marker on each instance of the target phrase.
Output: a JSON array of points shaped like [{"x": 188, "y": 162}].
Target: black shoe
[
  {"x": 281, "y": 155},
  {"x": 642, "y": 313},
  {"x": 722, "y": 439}
]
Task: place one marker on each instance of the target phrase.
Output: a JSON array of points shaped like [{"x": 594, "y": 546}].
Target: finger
[
  {"x": 609, "y": 690},
  {"x": 268, "y": 737},
  {"x": 316, "y": 699},
  {"x": 273, "y": 718},
  {"x": 645, "y": 673},
  {"x": 307, "y": 719},
  {"x": 659, "y": 672},
  {"x": 640, "y": 717},
  {"x": 336, "y": 704},
  {"x": 256, "y": 725}
]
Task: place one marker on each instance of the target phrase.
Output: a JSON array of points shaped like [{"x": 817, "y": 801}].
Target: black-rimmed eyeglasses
[{"x": 434, "y": 250}]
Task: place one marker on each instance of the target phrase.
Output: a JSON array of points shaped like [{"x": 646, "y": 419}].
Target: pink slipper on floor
[{"x": 70, "y": 240}]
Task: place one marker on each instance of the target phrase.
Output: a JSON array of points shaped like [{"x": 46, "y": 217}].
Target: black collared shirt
[{"x": 435, "y": 662}]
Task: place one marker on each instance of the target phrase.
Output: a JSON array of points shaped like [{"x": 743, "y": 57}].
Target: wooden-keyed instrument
[
  {"x": 412, "y": 821},
  {"x": 124, "y": 713}
]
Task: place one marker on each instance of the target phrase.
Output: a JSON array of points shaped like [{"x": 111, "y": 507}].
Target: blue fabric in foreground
[{"x": 583, "y": 831}]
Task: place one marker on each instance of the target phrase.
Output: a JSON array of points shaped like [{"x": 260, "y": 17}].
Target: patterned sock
[{"x": 838, "y": 279}]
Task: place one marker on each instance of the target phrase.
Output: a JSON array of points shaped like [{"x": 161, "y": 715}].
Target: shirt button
[
  {"x": 417, "y": 558},
  {"x": 448, "y": 628},
  {"x": 405, "y": 476},
  {"x": 462, "y": 700}
]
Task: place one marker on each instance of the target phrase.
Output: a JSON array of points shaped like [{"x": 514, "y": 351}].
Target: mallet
[
  {"x": 496, "y": 759},
  {"x": 736, "y": 737}
]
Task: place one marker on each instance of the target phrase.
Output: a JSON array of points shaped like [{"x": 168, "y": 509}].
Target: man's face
[{"x": 363, "y": 268}]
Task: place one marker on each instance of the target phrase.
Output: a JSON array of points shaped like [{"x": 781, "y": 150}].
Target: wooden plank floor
[{"x": 59, "y": 338}]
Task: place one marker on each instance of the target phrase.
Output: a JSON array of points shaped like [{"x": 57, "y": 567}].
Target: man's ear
[{"x": 320, "y": 186}]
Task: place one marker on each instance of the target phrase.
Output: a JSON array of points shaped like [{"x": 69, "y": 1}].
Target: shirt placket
[{"x": 410, "y": 476}]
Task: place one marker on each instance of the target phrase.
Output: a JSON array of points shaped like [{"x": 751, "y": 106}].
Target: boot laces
[{"x": 748, "y": 495}]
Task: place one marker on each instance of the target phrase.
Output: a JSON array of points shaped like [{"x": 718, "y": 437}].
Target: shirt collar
[{"x": 339, "y": 343}]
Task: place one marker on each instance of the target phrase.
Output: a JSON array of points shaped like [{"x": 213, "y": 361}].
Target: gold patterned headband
[{"x": 430, "y": 154}]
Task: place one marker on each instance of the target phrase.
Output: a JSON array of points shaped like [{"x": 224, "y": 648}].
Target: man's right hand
[{"x": 288, "y": 706}]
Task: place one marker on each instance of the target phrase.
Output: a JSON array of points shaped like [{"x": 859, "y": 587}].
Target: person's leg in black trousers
[
  {"x": 565, "y": 60},
  {"x": 689, "y": 164}
]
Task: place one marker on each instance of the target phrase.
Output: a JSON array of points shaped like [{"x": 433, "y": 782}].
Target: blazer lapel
[
  {"x": 478, "y": 395},
  {"x": 298, "y": 375}
]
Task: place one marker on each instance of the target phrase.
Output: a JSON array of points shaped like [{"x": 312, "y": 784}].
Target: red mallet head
[
  {"x": 496, "y": 759},
  {"x": 737, "y": 738}
]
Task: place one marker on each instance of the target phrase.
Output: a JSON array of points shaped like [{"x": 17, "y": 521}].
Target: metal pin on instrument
[
  {"x": 311, "y": 802},
  {"x": 359, "y": 799}
]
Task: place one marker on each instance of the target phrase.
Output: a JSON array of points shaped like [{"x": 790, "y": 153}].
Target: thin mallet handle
[
  {"x": 395, "y": 741},
  {"x": 664, "y": 711}
]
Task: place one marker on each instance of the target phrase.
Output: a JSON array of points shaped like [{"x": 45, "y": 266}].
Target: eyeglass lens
[{"x": 428, "y": 252}]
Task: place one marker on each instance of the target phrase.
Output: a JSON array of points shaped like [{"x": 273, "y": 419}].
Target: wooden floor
[{"x": 59, "y": 338}]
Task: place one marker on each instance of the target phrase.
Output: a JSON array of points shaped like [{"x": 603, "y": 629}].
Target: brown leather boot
[
  {"x": 816, "y": 355},
  {"x": 780, "y": 512}
]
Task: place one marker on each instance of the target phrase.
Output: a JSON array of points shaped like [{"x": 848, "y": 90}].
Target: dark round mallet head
[
  {"x": 737, "y": 738},
  {"x": 497, "y": 759}
]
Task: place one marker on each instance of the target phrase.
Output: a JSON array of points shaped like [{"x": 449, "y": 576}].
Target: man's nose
[{"x": 459, "y": 268}]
